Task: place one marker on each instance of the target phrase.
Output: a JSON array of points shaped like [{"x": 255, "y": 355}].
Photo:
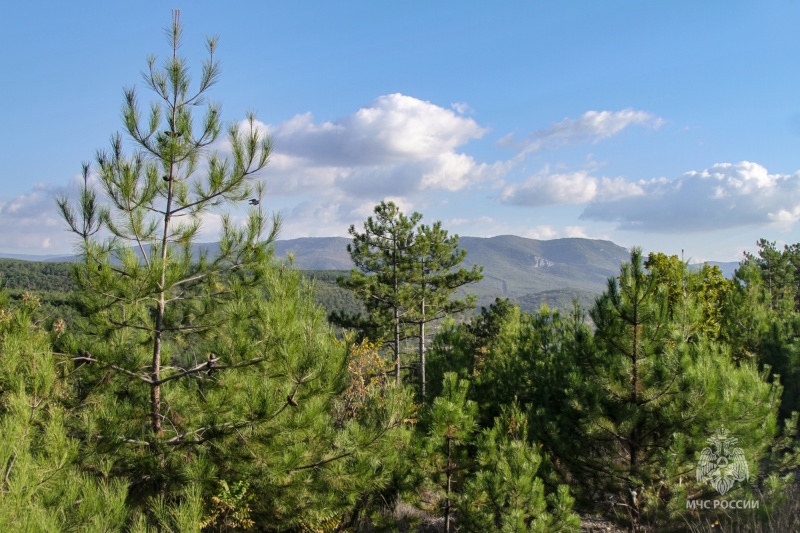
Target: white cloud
[
  {"x": 575, "y": 231},
  {"x": 547, "y": 231},
  {"x": 322, "y": 176},
  {"x": 579, "y": 187},
  {"x": 31, "y": 222},
  {"x": 785, "y": 218},
  {"x": 398, "y": 146},
  {"x": 315, "y": 219},
  {"x": 542, "y": 232},
  {"x": 402, "y": 147},
  {"x": 610, "y": 189},
  {"x": 451, "y": 172},
  {"x": 727, "y": 195},
  {"x": 393, "y": 128},
  {"x": 592, "y": 126},
  {"x": 551, "y": 189}
]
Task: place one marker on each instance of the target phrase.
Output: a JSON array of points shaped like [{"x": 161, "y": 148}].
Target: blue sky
[{"x": 670, "y": 125}]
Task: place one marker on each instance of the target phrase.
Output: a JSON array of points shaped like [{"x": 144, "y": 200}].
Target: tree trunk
[
  {"x": 633, "y": 443},
  {"x": 396, "y": 315},
  {"x": 155, "y": 376},
  {"x": 448, "y": 489},
  {"x": 396, "y": 345},
  {"x": 422, "y": 353}
]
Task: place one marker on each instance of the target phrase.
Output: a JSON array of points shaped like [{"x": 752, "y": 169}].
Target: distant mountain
[
  {"x": 29, "y": 257},
  {"x": 529, "y": 271},
  {"x": 317, "y": 253},
  {"x": 534, "y": 272},
  {"x": 728, "y": 268}
]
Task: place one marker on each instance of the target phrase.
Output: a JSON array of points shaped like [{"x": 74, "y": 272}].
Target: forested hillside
[
  {"x": 35, "y": 276},
  {"x": 529, "y": 272},
  {"x": 52, "y": 283}
]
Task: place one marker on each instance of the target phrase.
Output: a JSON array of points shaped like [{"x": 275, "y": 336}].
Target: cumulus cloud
[
  {"x": 592, "y": 126},
  {"x": 579, "y": 187},
  {"x": 397, "y": 146},
  {"x": 403, "y": 147},
  {"x": 541, "y": 232},
  {"x": 547, "y": 231},
  {"x": 393, "y": 129},
  {"x": 786, "y": 218},
  {"x": 727, "y": 195},
  {"x": 322, "y": 175}
]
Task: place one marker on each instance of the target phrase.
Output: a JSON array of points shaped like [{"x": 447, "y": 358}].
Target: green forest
[{"x": 147, "y": 388}]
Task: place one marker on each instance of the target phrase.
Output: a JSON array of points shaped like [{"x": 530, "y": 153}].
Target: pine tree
[
  {"x": 451, "y": 425},
  {"x": 625, "y": 407},
  {"x": 778, "y": 272},
  {"x": 406, "y": 276},
  {"x": 462, "y": 348},
  {"x": 507, "y": 491},
  {"x": 207, "y": 380},
  {"x": 382, "y": 254},
  {"x": 760, "y": 320},
  {"x": 437, "y": 277},
  {"x": 708, "y": 284},
  {"x": 656, "y": 388},
  {"x": 144, "y": 280}
]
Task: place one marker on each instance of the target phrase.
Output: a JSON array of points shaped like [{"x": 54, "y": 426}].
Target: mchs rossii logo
[{"x": 722, "y": 464}]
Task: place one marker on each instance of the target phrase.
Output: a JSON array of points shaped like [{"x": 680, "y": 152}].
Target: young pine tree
[
  {"x": 382, "y": 256},
  {"x": 656, "y": 387},
  {"x": 205, "y": 380},
  {"x": 451, "y": 426},
  {"x": 437, "y": 277},
  {"x": 760, "y": 320},
  {"x": 507, "y": 491}
]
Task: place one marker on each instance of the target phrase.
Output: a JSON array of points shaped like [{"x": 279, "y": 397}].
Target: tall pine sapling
[
  {"x": 150, "y": 300},
  {"x": 656, "y": 387},
  {"x": 197, "y": 370},
  {"x": 406, "y": 275},
  {"x": 382, "y": 254},
  {"x": 437, "y": 277},
  {"x": 157, "y": 204},
  {"x": 451, "y": 425}
]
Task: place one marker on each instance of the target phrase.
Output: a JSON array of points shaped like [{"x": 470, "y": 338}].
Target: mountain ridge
[{"x": 531, "y": 272}]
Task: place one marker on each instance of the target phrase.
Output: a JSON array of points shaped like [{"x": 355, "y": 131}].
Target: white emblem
[{"x": 724, "y": 465}]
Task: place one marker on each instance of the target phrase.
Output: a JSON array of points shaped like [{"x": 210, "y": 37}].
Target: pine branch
[
  {"x": 211, "y": 364},
  {"x": 87, "y": 357}
]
